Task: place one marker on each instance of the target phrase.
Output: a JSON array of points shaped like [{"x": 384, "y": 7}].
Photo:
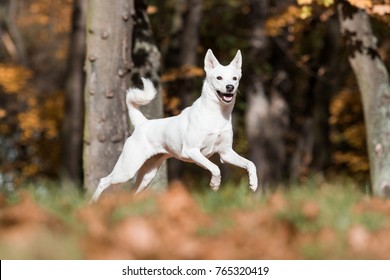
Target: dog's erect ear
[
  {"x": 237, "y": 60},
  {"x": 210, "y": 62}
]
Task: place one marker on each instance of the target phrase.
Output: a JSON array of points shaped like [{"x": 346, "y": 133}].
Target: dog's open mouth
[{"x": 226, "y": 97}]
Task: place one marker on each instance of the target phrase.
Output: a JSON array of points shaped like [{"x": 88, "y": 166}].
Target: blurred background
[{"x": 298, "y": 113}]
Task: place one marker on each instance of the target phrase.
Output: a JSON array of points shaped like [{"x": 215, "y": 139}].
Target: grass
[
  {"x": 138, "y": 208},
  {"x": 336, "y": 204},
  {"x": 229, "y": 197},
  {"x": 309, "y": 209}
]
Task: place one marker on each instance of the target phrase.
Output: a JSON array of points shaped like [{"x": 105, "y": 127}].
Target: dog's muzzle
[{"x": 226, "y": 97}]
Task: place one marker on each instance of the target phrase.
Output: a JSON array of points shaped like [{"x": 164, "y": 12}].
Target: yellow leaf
[
  {"x": 327, "y": 3},
  {"x": 305, "y": 12},
  {"x": 13, "y": 78},
  {"x": 361, "y": 4},
  {"x": 304, "y": 2},
  {"x": 3, "y": 113}
]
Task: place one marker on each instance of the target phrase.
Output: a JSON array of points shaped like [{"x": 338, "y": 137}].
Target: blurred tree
[
  {"x": 73, "y": 116},
  {"x": 324, "y": 87},
  {"x": 31, "y": 96},
  {"x": 373, "y": 80},
  {"x": 313, "y": 144},
  {"x": 9, "y": 31},
  {"x": 267, "y": 114}
]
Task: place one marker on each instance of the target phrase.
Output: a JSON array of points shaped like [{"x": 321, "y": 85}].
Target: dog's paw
[
  {"x": 253, "y": 183},
  {"x": 253, "y": 187},
  {"x": 215, "y": 182}
]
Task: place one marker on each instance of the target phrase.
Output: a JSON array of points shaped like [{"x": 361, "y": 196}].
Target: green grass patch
[
  {"x": 229, "y": 197},
  {"x": 219, "y": 226},
  {"x": 136, "y": 208},
  {"x": 62, "y": 201},
  {"x": 335, "y": 208}
]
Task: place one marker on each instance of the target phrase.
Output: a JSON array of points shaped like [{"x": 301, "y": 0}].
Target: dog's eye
[
  {"x": 234, "y": 78},
  {"x": 219, "y": 78}
]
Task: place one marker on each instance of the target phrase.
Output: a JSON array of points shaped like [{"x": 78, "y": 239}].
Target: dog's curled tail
[{"x": 136, "y": 97}]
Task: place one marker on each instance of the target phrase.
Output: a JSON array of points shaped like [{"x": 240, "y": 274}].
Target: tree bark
[
  {"x": 73, "y": 120},
  {"x": 108, "y": 65},
  {"x": 373, "y": 80}
]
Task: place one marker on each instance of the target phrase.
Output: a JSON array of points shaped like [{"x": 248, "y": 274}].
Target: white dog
[{"x": 194, "y": 135}]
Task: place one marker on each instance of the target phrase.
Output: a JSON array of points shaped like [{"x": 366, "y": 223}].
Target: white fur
[{"x": 194, "y": 135}]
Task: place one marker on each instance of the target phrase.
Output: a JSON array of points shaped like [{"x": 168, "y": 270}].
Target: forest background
[{"x": 299, "y": 112}]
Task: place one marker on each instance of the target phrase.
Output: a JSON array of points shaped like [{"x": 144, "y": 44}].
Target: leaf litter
[{"x": 176, "y": 225}]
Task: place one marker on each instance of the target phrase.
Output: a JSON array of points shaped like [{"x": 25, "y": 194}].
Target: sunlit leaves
[
  {"x": 13, "y": 78},
  {"x": 381, "y": 10},
  {"x": 361, "y": 4},
  {"x": 327, "y": 3},
  {"x": 41, "y": 119},
  {"x": 32, "y": 110},
  {"x": 306, "y": 12},
  {"x": 288, "y": 17},
  {"x": 184, "y": 72},
  {"x": 348, "y": 131}
]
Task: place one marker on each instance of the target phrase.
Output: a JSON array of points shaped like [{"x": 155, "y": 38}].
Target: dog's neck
[{"x": 214, "y": 103}]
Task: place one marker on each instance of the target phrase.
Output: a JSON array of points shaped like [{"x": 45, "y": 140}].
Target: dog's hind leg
[
  {"x": 103, "y": 184},
  {"x": 148, "y": 171},
  {"x": 129, "y": 162}
]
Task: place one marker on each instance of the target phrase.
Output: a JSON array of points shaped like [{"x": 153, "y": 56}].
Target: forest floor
[{"x": 321, "y": 221}]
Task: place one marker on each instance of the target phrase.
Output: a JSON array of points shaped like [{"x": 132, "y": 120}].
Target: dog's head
[{"x": 223, "y": 80}]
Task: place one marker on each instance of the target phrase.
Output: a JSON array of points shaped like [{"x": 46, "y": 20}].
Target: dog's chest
[{"x": 210, "y": 143}]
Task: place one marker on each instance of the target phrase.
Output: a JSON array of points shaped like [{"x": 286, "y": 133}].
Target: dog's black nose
[{"x": 229, "y": 88}]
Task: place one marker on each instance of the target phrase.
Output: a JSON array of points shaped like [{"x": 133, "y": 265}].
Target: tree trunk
[
  {"x": 146, "y": 57},
  {"x": 108, "y": 65},
  {"x": 313, "y": 144},
  {"x": 267, "y": 114},
  {"x": 9, "y": 32},
  {"x": 73, "y": 120},
  {"x": 190, "y": 36},
  {"x": 373, "y": 80}
]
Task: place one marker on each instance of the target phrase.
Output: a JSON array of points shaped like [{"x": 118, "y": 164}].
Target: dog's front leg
[
  {"x": 196, "y": 156},
  {"x": 231, "y": 157}
]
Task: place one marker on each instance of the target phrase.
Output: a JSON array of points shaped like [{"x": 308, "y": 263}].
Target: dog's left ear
[
  {"x": 210, "y": 61},
  {"x": 237, "y": 60}
]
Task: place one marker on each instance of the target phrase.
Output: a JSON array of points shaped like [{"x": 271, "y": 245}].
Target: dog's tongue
[{"x": 227, "y": 97}]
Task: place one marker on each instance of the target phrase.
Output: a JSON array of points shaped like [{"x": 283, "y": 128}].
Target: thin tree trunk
[
  {"x": 108, "y": 65},
  {"x": 190, "y": 36},
  {"x": 313, "y": 144},
  {"x": 9, "y": 32},
  {"x": 267, "y": 114},
  {"x": 373, "y": 80},
  {"x": 73, "y": 120}
]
